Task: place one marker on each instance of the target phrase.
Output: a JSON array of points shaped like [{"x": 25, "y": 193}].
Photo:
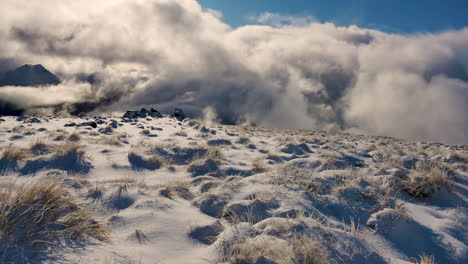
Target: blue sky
[{"x": 396, "y": 16}]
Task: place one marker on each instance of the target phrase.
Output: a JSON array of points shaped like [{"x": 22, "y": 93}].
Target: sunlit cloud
[{"x": 288, "y": 72}]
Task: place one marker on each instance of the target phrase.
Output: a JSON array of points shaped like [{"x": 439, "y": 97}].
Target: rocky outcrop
[
  {"x": 143, "y": 113},
  {"x": 179, "y": 114}
]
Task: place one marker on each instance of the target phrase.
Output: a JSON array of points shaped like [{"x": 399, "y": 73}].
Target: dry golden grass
[
  {"x": 40, "y": 147},
  {"x": 12, "y": 152},
  {"x": 44, "y": 213},
  {"x": 423, "y": 185},
  {"x": 111, "y": 140},
  {"x": 301, "y": 250},
  {"x": 243, "y": 140},
  {"x": 304, "y": 250},
  {"x": 214, "y": 153},
  {"x": 151, "y": 161},
  {"x": 245, "y": 250},
  {"x": 68, "y": 148},
  {"x": 424, "y": 259},
  {"x": 21, "y": 129},
  {"x": 381, "y": 156},
  {"x": 74, "y": 137},
  {"x": 259, "y": 166},
  {"x": 181, "y": 189}
]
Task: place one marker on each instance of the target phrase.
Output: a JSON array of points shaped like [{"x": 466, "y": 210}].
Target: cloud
[{"x": 119, "y": 54}]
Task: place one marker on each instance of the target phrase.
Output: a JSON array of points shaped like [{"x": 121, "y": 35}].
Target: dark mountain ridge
[{"x": 29, "y": 75}]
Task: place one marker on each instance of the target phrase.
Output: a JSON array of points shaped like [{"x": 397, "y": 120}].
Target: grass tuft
[
  {"x": 424, "y": 259},
  {"x": 423, "y": 185},
  {"x": 68, "y": 148},
  {"x": 304, "y": 250},
  {"x": 75, "y": 137},
  {"x": 12, "y": 152},
  {"x": 39, "y": 147},
  {"x": 42, "y": 214},
  {"x": 259, "y": 166}
]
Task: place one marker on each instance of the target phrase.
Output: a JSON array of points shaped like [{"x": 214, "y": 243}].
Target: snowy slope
[{"x": 178, "y": 192}]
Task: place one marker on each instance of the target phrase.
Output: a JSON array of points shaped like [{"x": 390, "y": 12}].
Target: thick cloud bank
[{"x": 119, "y": 54}]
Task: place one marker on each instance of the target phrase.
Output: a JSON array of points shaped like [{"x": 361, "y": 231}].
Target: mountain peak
[{"x": 29, "y": 75}]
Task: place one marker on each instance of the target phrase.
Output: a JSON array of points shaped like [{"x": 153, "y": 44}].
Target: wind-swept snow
[{"x": 176, "y": 191}]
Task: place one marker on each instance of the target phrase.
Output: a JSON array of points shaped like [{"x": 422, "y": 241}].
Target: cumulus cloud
[{"x": 120, "y": 54}]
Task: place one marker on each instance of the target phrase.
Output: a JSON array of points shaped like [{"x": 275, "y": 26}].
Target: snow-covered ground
[{"x": 174, "y": 191}]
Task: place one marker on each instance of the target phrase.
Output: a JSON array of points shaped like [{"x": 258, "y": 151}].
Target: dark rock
[
  {"x": 70, "y": 125},
  {"x": 219, "y": 142},
  {"x": 131, "y": 114},
  {"x": 142, "y": 113},
  {"x": 91, "y": 124},
  {"x": 155, "y": 113},
  {"x": 108, "y": 130},
  {"x": 179, "y": 114},
  {"x": 114, "y": 124}
]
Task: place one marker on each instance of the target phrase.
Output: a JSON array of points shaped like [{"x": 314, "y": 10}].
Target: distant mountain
[{"x": 29, "y": 75}]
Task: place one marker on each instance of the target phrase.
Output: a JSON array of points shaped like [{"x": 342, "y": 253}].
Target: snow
[{"x": 173, "y": 191}]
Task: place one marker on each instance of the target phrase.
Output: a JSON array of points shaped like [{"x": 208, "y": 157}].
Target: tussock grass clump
[
  {"x": 111, "y": 140},
  {"x": 304, "y": 250},
  {"x": 300, "y": 250},
  {"x": 69, "y": 148},
  {"x": 206, "y": 162},
  {"x": 259, "y": 166},
  {"x": 243, "y": 140},
  {"x": 22, "y": 130},
  {"x": 68, "y": 156},
  {"x": 423, "y": 185},
  {"x": 380, "y": 156},
  {"x": 214, "y": 153},
  {"x": 139, "y": 162},
  {"x": 181, "y": 189},
  {"x": 12, "y": 152},
  {"x": 43, "y": 214},
  {"x": 18, "y": 129},
  {"x": 40, "y": 147},
  {"x": 427, "y": 166},
  {"x": 75, "y": 137},
  {"x": 245, "y": 250},
  {"x": 424, "y": 259}
]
